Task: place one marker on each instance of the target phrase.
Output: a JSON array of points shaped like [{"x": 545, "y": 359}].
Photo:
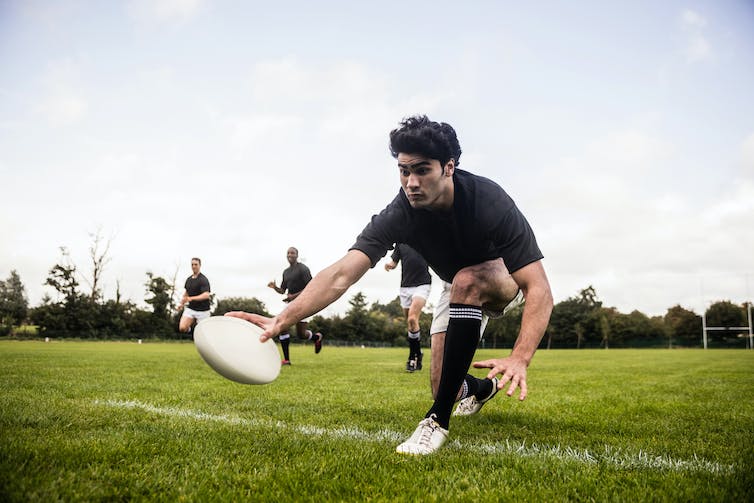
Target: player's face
[
  {"x": 195, "y": 266},
  {"x": 292, "y": 255},
  {"x": 426, "y": 183}
]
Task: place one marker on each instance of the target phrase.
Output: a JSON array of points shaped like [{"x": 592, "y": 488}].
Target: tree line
[
  {"x": 580, "y": 321},
  {"x": 80, "y": 311}
]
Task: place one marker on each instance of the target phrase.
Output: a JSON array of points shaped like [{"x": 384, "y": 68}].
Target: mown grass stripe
[{"x": 610, "y": 456}]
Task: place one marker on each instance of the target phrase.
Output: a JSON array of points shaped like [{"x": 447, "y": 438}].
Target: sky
[{"x": 231, "y": 130}]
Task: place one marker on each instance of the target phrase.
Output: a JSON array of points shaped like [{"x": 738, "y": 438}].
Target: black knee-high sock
[
  {"x": 461, "y": 340},
  {"x": 285, "y": 343},
  {"x": 480, "y": 388},
  {"x": 414, "y": 345}
]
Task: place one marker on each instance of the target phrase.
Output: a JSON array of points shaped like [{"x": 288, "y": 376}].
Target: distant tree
[
  {"x": 604, "y": 324},
  {"x": 392, "y": 309},
  {"x": 250, "y": 305},
  {"x": 14, "y": 305},
  {"x": 98, "y": 253},
  {"x": 357, "y": 324},
  {"x": 575, "y": 321},
  {"x": 62, "y": 277},
  {"x": 724, "y": 313},
  {"x": 636, "y": 329},
  {"x": 503, "y": 331},
  {"x": 159, "y": 296},
  {"x": 49, "y": 316},
  {"x": 71, "y": 314},
  {"x": 683, "y": 327}
]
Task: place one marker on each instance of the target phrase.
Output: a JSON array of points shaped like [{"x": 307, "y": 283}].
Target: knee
[{"x": 466, "y": 288}]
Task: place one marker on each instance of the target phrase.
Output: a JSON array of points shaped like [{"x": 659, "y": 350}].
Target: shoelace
[
  {"x": 428, "y": 429},
  {"x": 468, "y": 405}
]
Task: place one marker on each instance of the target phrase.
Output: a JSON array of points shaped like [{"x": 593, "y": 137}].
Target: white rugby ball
[{"x": 232, "y": 348}]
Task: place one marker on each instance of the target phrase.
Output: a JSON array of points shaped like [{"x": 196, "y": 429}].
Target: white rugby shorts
[
  {"x": 197, "y": 315},
  {"x": 407, "y": 294},
  {"x": 442, "y": 311}
]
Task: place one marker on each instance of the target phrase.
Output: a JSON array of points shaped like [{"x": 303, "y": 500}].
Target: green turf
[{"x": 88, "y": 421}]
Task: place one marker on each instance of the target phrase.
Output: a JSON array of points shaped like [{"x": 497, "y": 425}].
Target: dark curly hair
[{"x": 419, "y": 135}]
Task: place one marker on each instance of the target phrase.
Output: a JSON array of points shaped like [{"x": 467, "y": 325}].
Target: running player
[
  {"x": 197, "y": 295},
  {"x": 295, "y": 279},
  {"x": 416, "y": 283}
]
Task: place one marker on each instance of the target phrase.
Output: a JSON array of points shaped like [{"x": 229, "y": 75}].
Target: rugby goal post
[{"x": 750, "y": 341}]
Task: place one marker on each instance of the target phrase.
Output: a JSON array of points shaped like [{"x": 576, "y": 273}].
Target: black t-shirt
[
  {"x": 414, "y": 271},
  {"x": 484, "y": 224},
  {"x": 195, "y": 286},
  {"x": 295, "y": 278}
]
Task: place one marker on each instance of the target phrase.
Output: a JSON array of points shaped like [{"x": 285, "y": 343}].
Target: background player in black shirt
[
  {"x": 416, "y": 283},
  {"x": 196, "y": 295},
  {"x": 295, "y": 279},
  {"x": 474, "y": 237}
]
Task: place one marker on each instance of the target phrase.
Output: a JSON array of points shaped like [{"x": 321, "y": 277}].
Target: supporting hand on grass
[{"x": 513, "y": 370}]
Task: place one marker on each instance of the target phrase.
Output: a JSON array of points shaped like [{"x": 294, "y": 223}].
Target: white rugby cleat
[
  {"x": 470, "y": 405},
  {"x": 426, "y": 439}
]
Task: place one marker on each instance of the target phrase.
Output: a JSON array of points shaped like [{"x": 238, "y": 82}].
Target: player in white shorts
[
  {"x": 416, "y": 284},
  {"x": 195, "y": 301}
]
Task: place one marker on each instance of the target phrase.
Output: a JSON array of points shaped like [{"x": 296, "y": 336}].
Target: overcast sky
[{"x": 230, "y": 130}]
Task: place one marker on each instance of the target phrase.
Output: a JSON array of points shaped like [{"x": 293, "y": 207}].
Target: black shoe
[
  {"x": 318, "y": 342},
  {"x": 410, "y": 365},
  {"x": 419, "y": 361}
]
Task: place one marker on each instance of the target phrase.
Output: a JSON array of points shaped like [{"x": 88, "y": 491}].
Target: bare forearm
[{"x": 536, "y": 316}]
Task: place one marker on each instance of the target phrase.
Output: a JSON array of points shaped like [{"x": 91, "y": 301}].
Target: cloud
[
  {"x": 62, "y": 110},
  {"x": 747, "y": 157},
  {"x": 627, "y": 226},
  {"x": 693, "y": 19},
  {"x": 164, "y": 11},
  {"x": 698, "y": 47},
  {"x": 61, "y": 103}
]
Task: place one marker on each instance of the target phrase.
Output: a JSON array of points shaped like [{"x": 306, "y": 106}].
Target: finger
[
  {"x": 513, "y": 386},
  {"x": 504, "y": 379},
  {"x": 522, "y": 384},
  {"x": 484, "y": 364},
  {"x": 237, "y": 314},
  {"x": 258, "y": 320}
]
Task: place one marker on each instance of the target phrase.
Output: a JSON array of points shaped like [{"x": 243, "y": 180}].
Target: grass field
[{"x": 105, "y": 421}]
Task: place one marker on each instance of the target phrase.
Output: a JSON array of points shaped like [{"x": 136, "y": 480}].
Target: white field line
[{"x": 610, "y": 456}]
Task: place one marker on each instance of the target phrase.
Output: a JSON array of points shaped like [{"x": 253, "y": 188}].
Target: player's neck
[{"x": 444, "y": 203}]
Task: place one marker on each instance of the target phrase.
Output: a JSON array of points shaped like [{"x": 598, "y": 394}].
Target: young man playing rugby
[{"x": 477, "y": 241}]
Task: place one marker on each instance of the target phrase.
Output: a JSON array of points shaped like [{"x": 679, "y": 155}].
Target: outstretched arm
[
  {"x": 324, "y": 289},
  {"x": 536, "y": 288}
]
